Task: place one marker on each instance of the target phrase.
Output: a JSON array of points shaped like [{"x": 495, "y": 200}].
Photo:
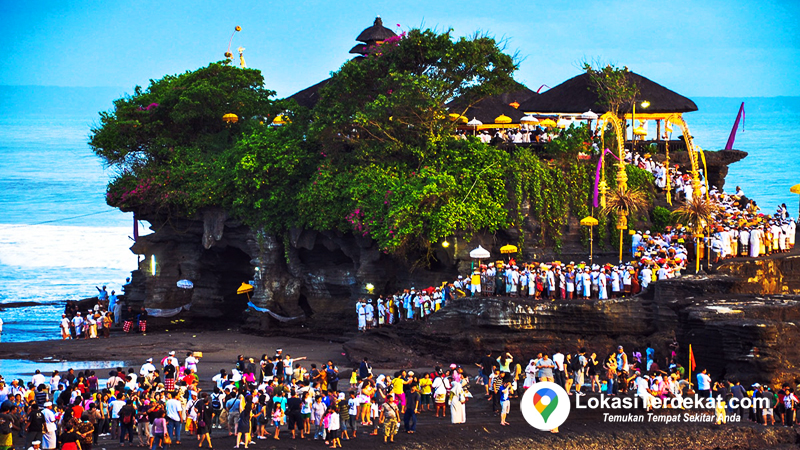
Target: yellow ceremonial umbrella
[
  {"x": 245, "y": 289},
  {"x": 547, "y": 123},
  {"x": 590, "y": 222},
  {"x": 508, "y": 249},
  {"x": 795, "y": 190},
  {"x": 453, "y": 116},
  {"x": 639, "y": 131},
  {"x": 281, "y": 120},
  {"x": 230, "y": 118},
  {"x": 502, "y": 118}
]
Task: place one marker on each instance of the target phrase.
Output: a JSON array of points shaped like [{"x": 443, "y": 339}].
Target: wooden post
[{"x": 658, "y": 130}]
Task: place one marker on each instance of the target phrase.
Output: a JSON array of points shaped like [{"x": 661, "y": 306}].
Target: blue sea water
[{"x": 58, "y": 238}]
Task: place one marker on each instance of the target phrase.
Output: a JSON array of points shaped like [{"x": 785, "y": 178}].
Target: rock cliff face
[
  {"x": 717, "y": 163},
  {"x": 735, "y": 336},
  {"x": 314, "y": 277}
]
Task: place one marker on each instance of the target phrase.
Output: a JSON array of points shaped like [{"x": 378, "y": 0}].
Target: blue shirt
[
  {"x": 281, "y": 401},
  {"x": 504, "y": 393},
  {"x": 112, "y": 300}
]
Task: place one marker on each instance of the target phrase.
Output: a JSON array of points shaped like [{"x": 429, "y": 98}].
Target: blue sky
[{"x": 697, "y": 48}]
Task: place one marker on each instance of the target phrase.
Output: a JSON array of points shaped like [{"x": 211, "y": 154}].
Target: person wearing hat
[
  {"x": 147, "y": 368},
  {"x": 370, "y": 310},
  {"x": 77, "y": 326},
  {"x": 35, "y": 445},
  {"x": 381, "y": 312},
  {"x": 65, "y": 327},
  {"x": 361, "y": 311},
  {"x": 170, "y": 372},
  {"x": 49, "y": 436}
]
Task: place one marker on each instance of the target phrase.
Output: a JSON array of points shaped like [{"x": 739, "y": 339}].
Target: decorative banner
[
  {"x": 155, "y": 312},
  {"x": 277, "y": 317},
  {"x": 596, "y": 202}
]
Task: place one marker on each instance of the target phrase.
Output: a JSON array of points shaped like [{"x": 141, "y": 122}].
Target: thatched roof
[
  {"x": 377, "y": 32},
  {"x": 489, "y": 108},
  {"x": 309, "y": 96},
  {"x": 578, "y": 95}
]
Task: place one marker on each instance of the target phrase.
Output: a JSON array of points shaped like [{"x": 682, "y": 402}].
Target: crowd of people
[
  {"x": 159, "y": 403},
  {"x": 524, "y": 134},
  {"x": 738, "y": 230},
  {"x": 109, "y": 311},
  {"x": 163, "y": 402}
]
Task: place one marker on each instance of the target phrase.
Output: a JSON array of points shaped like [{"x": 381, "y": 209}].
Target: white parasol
[{"x": 479, "y": 253}]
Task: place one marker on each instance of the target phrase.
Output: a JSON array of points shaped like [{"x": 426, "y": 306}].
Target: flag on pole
[{"x": 692, "y": 363}]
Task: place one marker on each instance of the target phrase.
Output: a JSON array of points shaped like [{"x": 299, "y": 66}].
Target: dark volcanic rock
[
  {"x": 717, "y": 163},
  {"x": 734, "y": 335}
]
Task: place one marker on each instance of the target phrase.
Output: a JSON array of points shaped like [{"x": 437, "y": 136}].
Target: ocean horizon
[{"x": 59, "y": 239}]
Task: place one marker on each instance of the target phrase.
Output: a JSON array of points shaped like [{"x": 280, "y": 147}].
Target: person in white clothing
[
  {"x": 361, "y": 311},
  {"x": 147, "y": 368}
]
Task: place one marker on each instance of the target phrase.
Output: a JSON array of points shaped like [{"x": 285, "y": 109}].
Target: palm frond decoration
[
  {"x": 698, "y": 213},
  {"x": 625, "y": 202}
]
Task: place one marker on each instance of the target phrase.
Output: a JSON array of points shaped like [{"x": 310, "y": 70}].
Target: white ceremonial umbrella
[
  {"x": 474, "y": 123},
  {"x": 479, "y": 253}
]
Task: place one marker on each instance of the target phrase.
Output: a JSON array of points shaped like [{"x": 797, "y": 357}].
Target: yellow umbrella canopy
[
  {"x": 547, "y": 123},
  {"x": 244, "y": 288},
  {"x": 508, "y": 249},
  {"x": 589, "y": 221},
  {"x": 230, "y": 118},
  {"x": 453, "y": 116},
  {"x": 502, "y": 118},
  {"x": 281, "y": 120},
  {"x": 639, "y": 131},
  {"x": 795, "y": 189}
]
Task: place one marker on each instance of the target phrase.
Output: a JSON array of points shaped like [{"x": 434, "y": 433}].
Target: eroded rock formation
[{"x": 733, "y": 333}]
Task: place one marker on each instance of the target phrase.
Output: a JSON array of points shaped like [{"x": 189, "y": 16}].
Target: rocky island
[{"x": 283, "y": 196}]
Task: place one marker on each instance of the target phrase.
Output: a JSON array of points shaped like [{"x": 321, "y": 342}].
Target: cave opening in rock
[
  {"x": 302, "y": 302},
  {"x": 232, "y": 267}
]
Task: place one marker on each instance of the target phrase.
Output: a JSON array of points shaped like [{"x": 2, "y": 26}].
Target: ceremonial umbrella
[
  {"x": 185, "y": 284},
  {"x": 590, "y": 222},
  {"x": 529, "y": 120},
  {"x": 795, "y": 189},
  {"x": 479, "y": 253},
  {"x": 589, "y": 116},
  {"x": 245, "y": 289},
  {"x": 547, "y": 123},
  {"x": 502, "y": 118},
  {"x": 474, "y": 123},
  {"x": 230, "y": 118},
  {"x": 280, "y": 120},
  {"x": 508, "y": 249}
]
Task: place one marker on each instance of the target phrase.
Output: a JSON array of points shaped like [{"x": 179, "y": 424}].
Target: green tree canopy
[
  {"x": 376, "y": 157},
  {"x": 183, "y": 110}
]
